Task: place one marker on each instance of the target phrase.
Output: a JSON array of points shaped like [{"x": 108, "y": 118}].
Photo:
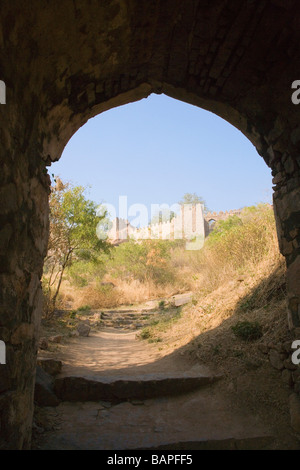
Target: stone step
[
  {"x": 199, "y": 420},
  {"x": 127, "y": 316},
  {"x": 230, "y": 443},
  {"x": 129, "y": 312},
  {"x": 120, "y": 323},
  {"x": 130, "y": 327},
  {"x": 126, "y": 321},
  {"x": 118, "y": 389}
]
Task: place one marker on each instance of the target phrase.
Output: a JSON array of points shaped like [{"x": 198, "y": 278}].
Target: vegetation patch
[
  {"x": 159, "y": 325},
  {"x": 84, "y": 308},
  {"x": 248, "y": 331}
]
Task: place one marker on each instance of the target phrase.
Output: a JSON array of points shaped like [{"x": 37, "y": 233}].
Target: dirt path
[
  {"x": 115, "y": 352},
  {"x": 202, "y": 418},
  {"x": 212, "y": 416}
]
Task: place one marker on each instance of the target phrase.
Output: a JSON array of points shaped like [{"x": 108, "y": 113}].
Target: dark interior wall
[{"x": 64, "y": 62}]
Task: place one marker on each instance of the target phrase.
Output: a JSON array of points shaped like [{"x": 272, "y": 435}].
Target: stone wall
[
  {"x": 65, "y": 62},
  {"x": 191, "y": 222},
  {"x": 186, "y": 225},
  {"x": 213, "y": 217}
]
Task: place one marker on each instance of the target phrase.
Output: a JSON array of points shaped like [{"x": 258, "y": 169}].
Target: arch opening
[
  {"x": 224, "y": 57},
  {"x": 125, "y": 368}
]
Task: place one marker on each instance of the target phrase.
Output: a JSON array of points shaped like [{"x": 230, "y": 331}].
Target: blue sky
[{"x": 156, "y": 150}]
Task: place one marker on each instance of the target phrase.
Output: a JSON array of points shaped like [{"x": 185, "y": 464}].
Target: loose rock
[
  {"x": 50, "y": 366},
  {"x": 83, "y": 329},
  {"x": 56, "y": 339},
  {"x": 44, "y": 394},
  {"x": 276, "y": 359}
]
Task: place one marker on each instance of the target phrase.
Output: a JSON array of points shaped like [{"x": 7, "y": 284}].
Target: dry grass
[
  {"x": 240, "y": 276},
  {"x": 124, "y": 293},
  {"x": 259, "y": 296},
  {"x": 239, "y": 257},
  {"x": 237, "y": 249}
]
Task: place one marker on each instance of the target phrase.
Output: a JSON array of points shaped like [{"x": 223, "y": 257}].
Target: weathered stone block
[
  {"x": 56, "y": 339},
  {"x": 276, "y": 359},
  {"x": 44, "y": 394},
  {"x": 50, "y": 366},
  {"x": 83, "y": 329}
]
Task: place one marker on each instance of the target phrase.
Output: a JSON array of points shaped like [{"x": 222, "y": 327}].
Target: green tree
[
  {"x": 73, "y": 225},
  {"x": 193, "y": 198},
  {"x": 145, "y": 261}
]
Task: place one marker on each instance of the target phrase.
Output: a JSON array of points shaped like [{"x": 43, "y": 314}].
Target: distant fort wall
[
  {"x": 190, "y": 223},
  {"x": 211, "y": 218}
]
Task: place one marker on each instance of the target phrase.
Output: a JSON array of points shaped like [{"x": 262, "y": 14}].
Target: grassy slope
[
  {"x": 242, "y": 279},
  {"x": 252, "y": 290}
]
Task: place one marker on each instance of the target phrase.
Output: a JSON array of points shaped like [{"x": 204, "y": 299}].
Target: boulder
[
  {"x": 83, "y": 329},
  {"x": 43, "y": 393},
  {"x": 50, "y": 366},
  {"x": 56, "y": 339},
  {"x": 276, "y": 359}
]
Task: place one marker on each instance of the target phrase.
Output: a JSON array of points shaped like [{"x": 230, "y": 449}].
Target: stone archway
[{"x": 64, "y": 62}]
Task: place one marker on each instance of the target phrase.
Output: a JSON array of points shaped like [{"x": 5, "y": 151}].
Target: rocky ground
[{"x": 101, "y": 387}]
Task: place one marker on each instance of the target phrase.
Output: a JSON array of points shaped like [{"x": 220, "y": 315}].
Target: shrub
[
  {"x": 148, "y": 260},
  {"x": 235, "y": 245},
  {"x": 80, "y": 273},
  {"x": 84, "y": 308},
  {"x": 73, "y": 314},
  {"x": 248, "y": 331},
  {"x": 145, "y": 333}
]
